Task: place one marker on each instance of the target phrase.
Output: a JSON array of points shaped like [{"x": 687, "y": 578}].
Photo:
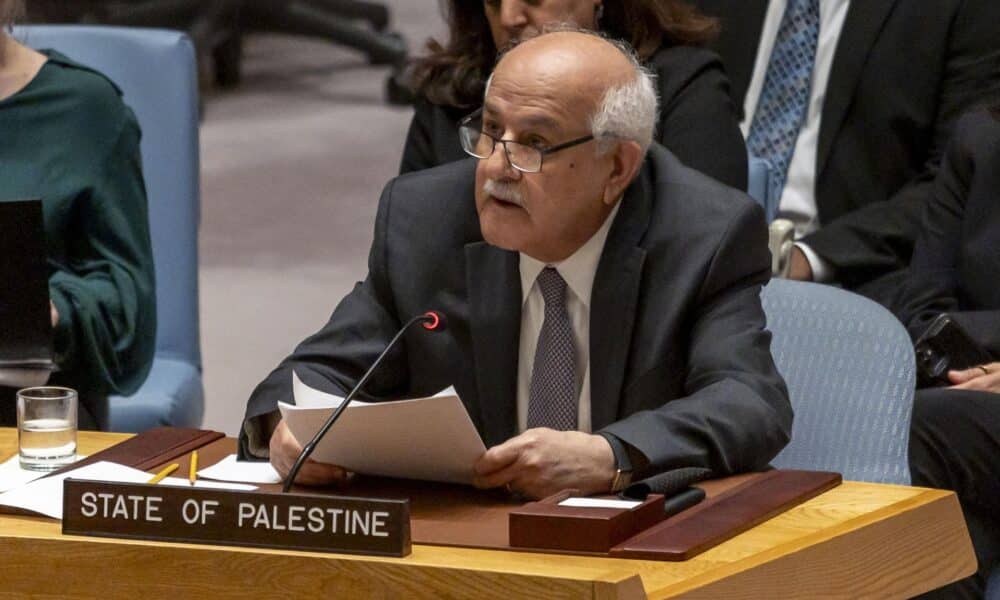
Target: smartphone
[{"x": 944, "y": 347}]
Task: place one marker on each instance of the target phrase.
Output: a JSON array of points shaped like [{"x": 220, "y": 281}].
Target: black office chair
[
  {"x": 336, "y": 21},
  {"x": 218, "y": 26}
]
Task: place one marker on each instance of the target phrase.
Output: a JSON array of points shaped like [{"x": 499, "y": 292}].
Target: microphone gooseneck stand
[{"x": 432, "y": 321}]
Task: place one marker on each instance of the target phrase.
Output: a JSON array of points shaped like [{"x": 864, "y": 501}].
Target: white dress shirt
[
  {"x": 578, "y": 271},
  {"x": 798, "y": 198}
]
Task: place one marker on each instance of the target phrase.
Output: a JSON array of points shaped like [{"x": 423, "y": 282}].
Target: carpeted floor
[{"x": 293, "y": 162}]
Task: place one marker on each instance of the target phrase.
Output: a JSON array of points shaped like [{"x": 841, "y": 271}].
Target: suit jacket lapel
[
  {"x": 494, "y": 284},
  {"x": 861, "y": 28},
  {"x": 740, "y": 51},
  {"x": 613, "y": 301}
]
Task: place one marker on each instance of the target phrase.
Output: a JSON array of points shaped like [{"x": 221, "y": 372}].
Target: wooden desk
[{"x": 857, "y": 540}]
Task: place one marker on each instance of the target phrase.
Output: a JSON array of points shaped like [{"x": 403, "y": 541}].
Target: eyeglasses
[{"x": 524, "y": 158}]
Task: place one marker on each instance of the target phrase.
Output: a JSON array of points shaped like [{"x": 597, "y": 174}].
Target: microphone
[{"x": 431, "y": 321}]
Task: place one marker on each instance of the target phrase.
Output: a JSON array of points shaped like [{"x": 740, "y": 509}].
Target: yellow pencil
[
  {"x": 163, "y": 473},
  {"x": 193, "y": 471}
]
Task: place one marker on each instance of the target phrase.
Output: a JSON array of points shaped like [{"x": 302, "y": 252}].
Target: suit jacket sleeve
[
  {"x": 698, "y": 120},
  {"x": 879, "y": 237},
  {"x": 736, "y": 416},
  {"x": 933, "y": 282},
  {"x": 335, "y": 357}
]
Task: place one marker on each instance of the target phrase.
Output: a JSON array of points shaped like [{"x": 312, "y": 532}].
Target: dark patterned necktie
[
  {"x": 784, "y": 98},
  {"x": 553, "y": 397}
]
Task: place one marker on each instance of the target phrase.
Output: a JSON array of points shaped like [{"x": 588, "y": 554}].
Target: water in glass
[{"x": 47, "y": 444}]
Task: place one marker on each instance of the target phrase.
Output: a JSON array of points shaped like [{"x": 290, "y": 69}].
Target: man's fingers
[
  {"x": 799, "y": 267},
  {"x": 285, "y": 450},
  {"x": 959, "y": 377},
  {"x": 984, "y": 383},
  {"x": 498, "y": 478},
  {"x": 317, "y": 473},
  {"x": 499, "y": 457}
]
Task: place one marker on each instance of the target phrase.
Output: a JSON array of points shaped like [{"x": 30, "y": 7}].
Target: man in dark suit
[
  {"x": 955, "y": 431},
  {"x": 589, "y": 288},
  {"x": 889, "y": 79}
]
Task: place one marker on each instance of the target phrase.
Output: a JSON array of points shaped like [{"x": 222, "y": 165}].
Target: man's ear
[{"x": 626, "y": 159}]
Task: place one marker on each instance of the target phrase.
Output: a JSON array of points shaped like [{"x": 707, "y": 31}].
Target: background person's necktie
[
  {"x": 784, "y": 98},
  {"x": 553, "y": 397}
]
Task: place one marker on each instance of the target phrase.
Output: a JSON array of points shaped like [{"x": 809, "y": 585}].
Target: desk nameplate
[{"x": 225, "y": 517}]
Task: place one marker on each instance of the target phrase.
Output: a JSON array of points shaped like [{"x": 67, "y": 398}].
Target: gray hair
[{"x": 628, "y": 111}]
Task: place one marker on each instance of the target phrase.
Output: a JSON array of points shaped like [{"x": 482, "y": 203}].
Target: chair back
[
  {"x": 850, "y": 369},
  {"x": 155, "y": 70},
  {"x": 157, "y": 73},
  {"x": 759, "y": 186}
]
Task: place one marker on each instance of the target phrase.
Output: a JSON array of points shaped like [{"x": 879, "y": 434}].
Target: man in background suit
[
  {"x": 888, "y": 80},
  {"x": 588, "y": 288},
  {"x": 955, "y": 430}
]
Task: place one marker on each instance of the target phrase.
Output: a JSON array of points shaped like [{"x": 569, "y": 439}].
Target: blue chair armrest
[{"x": 172, "y": 395}]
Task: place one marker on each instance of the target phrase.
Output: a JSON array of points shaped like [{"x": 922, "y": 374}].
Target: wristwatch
[{"x": 623, "y": 464}]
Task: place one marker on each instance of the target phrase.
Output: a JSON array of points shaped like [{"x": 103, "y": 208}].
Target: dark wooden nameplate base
[
  {"x": 261, "y": 519},
  {"x": 546, "y": 525},
  {"x": 454, "y": 515}
]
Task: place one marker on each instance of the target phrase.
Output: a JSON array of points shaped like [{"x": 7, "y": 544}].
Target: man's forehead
[
  {"x": 537, "y": 102},
  {"x": 553, "y": 74},
  {"x": 578, "y": 61},
  {"x": 535, "y": 116}
]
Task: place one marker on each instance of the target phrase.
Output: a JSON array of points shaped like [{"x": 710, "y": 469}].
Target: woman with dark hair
[
  {"x": 698, "y": 121},
  {"x": 67, "y": 138},
  {"x": 955, "y": 431}
]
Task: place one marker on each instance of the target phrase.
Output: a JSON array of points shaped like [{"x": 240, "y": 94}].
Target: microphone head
[{"x": 435, "y": 321}]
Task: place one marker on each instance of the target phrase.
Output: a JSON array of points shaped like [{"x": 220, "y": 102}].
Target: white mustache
[{"x": 507, "y": 192}]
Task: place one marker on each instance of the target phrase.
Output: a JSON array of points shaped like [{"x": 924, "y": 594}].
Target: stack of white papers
[
  {"x": 431, "y": 439},
  {"x": 45, "y": 496},
  {"x": 229, "y": 469},
  {"x": 12, "y": 475}
]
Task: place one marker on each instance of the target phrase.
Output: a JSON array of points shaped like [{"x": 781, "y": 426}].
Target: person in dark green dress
[{"x": 67, "y": 138}]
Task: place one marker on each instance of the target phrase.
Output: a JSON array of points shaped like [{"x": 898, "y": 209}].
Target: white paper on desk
[
  {"x": 200, "y": 483},
  {"x": 12, "y": 475},
  {"x": 45, "y": 496},
  {"x": 599, "y": 503},
  {"x": 229, "y": 469},
  {"x": 431, "y": 439}
]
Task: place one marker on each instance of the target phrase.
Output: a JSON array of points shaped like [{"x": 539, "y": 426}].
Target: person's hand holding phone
[{"x": 983, "y": 378}]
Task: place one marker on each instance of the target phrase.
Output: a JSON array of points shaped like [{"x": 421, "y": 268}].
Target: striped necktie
[
  {"x": 784, "y": 99},
  {"x": 553, "y": 397}
]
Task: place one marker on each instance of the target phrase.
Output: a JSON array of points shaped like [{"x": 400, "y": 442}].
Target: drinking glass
[{"x": 46, "y": 427}]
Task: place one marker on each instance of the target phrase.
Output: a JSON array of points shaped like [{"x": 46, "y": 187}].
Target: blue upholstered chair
[
  {"x": 156, "y": 71},
  {"x": 850, "y": 371},
  {"x": 759, "y": 186}
]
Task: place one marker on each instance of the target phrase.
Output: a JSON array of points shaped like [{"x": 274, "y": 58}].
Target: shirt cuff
[
  {"x": 638, "y": 461},
  {"x": 259, "y": 430},
  {"x": 822, "y": 270}
]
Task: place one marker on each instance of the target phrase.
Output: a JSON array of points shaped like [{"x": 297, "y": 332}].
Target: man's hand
[
  {"x": 53, "y": 313},
  {"x": 985, "y": 378},
  {"x": 799, "y": 268},
  {"x": 541, "y": 462},
  {"x": 285, "y": 449}
]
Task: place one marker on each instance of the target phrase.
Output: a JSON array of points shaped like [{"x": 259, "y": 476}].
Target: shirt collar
[{"x": 578, "y": 270}]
